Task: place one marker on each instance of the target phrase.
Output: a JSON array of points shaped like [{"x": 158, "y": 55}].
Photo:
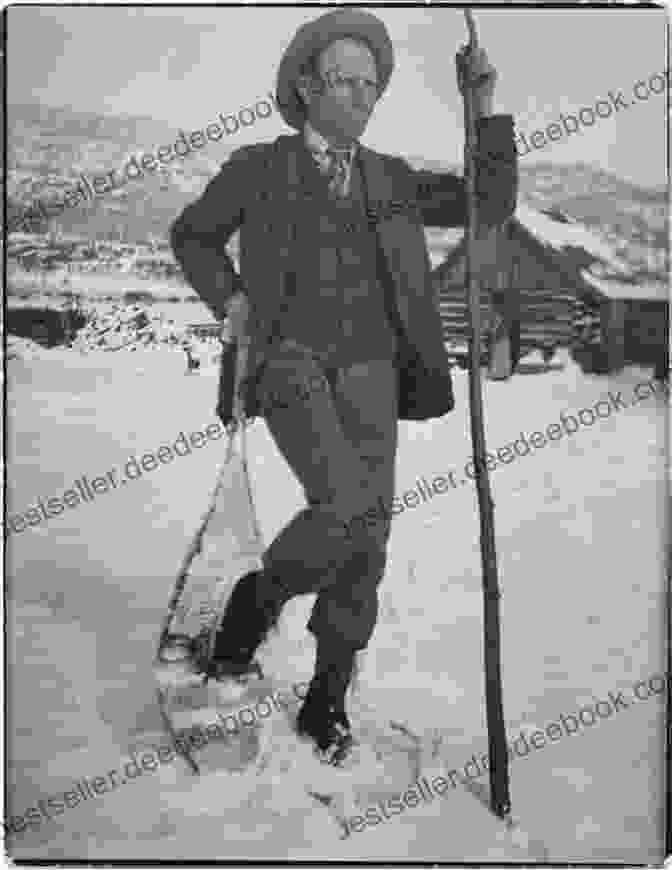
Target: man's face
[{"x": 340, "y": 109}]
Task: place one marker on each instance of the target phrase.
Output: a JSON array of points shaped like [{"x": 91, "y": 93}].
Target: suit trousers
[{"x": 337, "y": 430}]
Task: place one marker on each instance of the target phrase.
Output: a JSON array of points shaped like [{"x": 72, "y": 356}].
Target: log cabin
[{"x": 562, "y": 286}]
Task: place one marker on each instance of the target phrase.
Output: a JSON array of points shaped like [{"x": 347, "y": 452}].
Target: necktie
[{"x": 338, "y": 172}]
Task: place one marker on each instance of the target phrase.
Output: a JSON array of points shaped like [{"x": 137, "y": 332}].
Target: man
[{"x": 334, "y": 290}]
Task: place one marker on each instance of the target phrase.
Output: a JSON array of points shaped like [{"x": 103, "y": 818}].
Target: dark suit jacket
[{"x": 255, "y": 192}]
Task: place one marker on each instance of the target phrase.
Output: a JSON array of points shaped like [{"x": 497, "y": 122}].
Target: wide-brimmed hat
[{"x": 316, "y": 35}]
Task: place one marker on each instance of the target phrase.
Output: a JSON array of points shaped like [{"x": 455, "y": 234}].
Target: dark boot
[
  {"x": 322, "y": 717},
  {"x": 248, "y": 617}
]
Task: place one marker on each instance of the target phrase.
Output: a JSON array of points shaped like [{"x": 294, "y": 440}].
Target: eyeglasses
[{"x": 336, "y": 79}]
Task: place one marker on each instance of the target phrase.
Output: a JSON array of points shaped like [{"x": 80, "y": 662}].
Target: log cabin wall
[
  {"x": 647, "y": 325},
  {"x": 628, "y": 331},
  {"x": 538, "y": 295}
]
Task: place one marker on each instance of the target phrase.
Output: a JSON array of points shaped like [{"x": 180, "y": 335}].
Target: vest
[{"x": 336, "y": 299}]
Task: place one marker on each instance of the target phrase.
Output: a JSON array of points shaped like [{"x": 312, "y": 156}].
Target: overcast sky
[{"x": 187, "y": 64}]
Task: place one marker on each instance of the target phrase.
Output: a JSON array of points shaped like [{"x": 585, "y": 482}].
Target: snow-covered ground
[{"x": 581, "y": 546}]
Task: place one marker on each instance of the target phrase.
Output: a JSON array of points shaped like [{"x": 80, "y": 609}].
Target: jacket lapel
[
  {"x": 378, "y": 182},
  {"x": 396, "y": 233}
]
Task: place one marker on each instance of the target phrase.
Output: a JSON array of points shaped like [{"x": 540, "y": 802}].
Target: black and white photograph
[{"x": 393, "y": 281}]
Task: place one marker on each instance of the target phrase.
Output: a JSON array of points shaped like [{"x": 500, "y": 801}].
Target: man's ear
[
  {"x": 305, "y": 87},
  {"x": 310, "y": 85}
]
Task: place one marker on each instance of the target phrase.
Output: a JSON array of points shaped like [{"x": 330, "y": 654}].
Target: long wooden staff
[{"x": 500, "y": 802}]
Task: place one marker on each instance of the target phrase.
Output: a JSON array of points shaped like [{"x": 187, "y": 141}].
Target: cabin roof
[
  {"x": 640, "y": 292},
  {"x": 561, "y": 234},
  {"x": 576, "y": 251}
]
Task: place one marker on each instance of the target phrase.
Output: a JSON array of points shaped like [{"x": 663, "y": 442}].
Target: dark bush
[{"x": 45, "y": 326}]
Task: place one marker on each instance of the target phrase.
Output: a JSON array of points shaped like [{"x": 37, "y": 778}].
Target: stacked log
[{"x": 546, "y": 317}]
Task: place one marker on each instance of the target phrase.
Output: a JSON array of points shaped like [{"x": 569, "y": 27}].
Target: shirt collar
[{"x": 316, "y": 142}]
